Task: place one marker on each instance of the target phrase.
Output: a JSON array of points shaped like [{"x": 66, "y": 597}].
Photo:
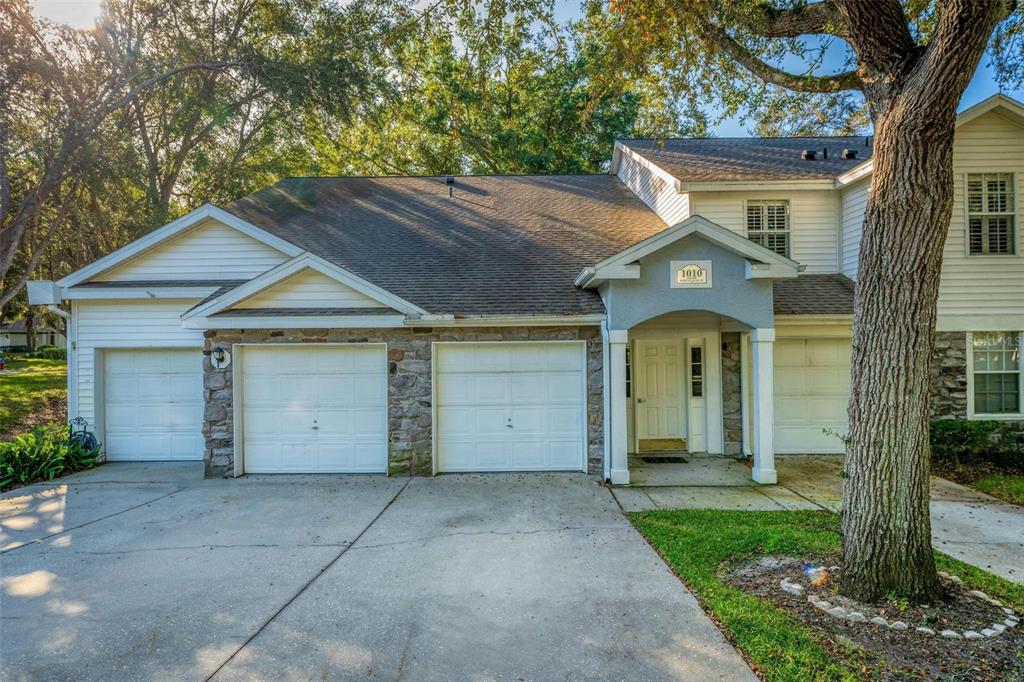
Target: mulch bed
[{"x": 897, "y": 654}]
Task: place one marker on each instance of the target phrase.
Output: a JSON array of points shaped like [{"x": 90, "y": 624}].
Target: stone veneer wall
[
  {"x": 949, "y": 376},
  {"x": 409, "y": 386},
  {"x": 732, "y": 381}
]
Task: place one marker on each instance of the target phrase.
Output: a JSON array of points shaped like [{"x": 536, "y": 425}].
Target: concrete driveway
[{"x": 150, "y": 572}]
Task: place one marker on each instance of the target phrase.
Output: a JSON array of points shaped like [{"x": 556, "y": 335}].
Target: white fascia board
[
  {"x": 756, "y": 185},
  {"x": 812, "y": 320},
  {"x": 147, "y": 292},
  {"x": 506, "y": 321},
  {"x": 304, "y": 261},
  {"x": 772, "y": 271},
  {"x": 649, "y": 165},
  {"x": 43, "y": 292},
  {"x": 697, "y": 224},
  {"x": 171, "y": 230},
  {"x": 851, "y": 176},
  {"x": 1008, "y": 106},
  {"x": 384, "y": 321}
]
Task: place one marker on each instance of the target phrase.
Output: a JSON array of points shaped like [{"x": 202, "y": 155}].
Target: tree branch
[
  {"x": 848, "y": 80},
  {"x": 816, "y": 18}
]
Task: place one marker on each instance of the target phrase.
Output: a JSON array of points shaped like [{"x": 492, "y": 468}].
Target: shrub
[
  {"x": 52, "y": 353},
  {"x": 44, "y": 452},
  {"x": 966, "y": 442}
]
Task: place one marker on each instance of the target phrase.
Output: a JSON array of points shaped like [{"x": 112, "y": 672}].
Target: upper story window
[
  {"x": 990, "y": 213},
  {"x": 768, "y": 224}
]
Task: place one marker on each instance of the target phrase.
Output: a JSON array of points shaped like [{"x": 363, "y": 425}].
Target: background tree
[{"x": 911, "y": 62}]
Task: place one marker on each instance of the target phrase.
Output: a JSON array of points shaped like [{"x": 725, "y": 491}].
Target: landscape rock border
[{"x": 854, "y": 616}]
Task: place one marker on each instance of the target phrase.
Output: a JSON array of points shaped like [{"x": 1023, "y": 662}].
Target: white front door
[
  {"x": 153, "y": 404},
  {"x": 658, "y": 368},
  {"x": 510, "y": 406},
  {"x": 314, "y": 408}
]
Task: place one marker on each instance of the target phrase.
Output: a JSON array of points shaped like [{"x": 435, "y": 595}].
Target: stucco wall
[
  {"x": 633, "y": 301},
  {"x": 409, "y": 386}
]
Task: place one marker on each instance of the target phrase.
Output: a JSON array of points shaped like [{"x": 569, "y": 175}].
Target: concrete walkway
[
  {"x": 149, "y": 572},
  {"x": 971, "y": 526}
]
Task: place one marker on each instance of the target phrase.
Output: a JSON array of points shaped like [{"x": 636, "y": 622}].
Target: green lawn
[
  {"x": 1004, "y": 486},
  {"x": 698, "y": 544},
  {"x": 28, "y": 386}
]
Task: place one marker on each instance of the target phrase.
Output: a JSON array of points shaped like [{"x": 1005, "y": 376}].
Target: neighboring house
[
  {"x": 14, "y": 335},
  {"x": 701, "y": 294}
]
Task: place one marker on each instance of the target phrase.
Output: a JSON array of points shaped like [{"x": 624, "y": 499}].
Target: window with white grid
[
  {"x": 996, "y": 372},
  {"x": 768, "y": 224},
  {"x": 990, "y": 213}
]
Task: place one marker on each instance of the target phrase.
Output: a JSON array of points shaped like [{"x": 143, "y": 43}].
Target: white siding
[
  {"x": 310, "y": 289},
  {"x": 983, "y": 290},
  {"x": 855, "y": 202},
  {"x": 812, "y": 221},
  {"x": 211, "y": 250},
  {"x": 654, "y": 190},
  {"x": 123, "y": 324}
]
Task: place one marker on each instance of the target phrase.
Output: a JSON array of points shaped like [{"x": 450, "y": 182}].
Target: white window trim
[
  {"x": 971, "y": 414},
  {"x": 1016, "y": 216},
  {"x": 789, "y": 224}
]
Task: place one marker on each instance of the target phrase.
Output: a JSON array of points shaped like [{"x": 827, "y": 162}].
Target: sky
[{"x": 83, "y": 13}]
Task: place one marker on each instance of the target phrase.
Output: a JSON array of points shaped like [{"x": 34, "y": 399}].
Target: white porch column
[
  {"x": 617, "y": 339},
  {"x": 762, "y": 349}
]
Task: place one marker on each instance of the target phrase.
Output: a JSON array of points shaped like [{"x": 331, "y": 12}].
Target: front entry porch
[
  {"x": 669, "y": 301},
  {"x": 690, "y": 394}
]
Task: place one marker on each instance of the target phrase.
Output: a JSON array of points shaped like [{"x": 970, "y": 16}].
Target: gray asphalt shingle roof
[
  {"x": 814, "y": 295},
  {"x": 500, "y": 245},
  {"x": 725, "y": 159}
]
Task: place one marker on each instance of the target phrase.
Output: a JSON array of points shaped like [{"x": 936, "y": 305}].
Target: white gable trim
[
  {"x": 171, "y": 230},
  {"x": 369, "y": 321},
  {"x": 1007, "y": 106},
  {"x": 623, "y": 264},
  {"x": 301, "y": 262}
]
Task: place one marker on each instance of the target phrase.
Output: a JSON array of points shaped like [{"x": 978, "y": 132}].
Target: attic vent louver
[
  {"x": 849, "y": 153},
  {"x": 808, "y": 155}
]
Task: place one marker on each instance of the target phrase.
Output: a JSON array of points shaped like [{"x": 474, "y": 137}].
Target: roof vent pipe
[
  {"x": 808, "y": 155},
  {"x": 450, "y": 181},
  {"x": 824, "y": 153}
]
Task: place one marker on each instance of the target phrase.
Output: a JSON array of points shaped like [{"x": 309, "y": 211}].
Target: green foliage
[
  {"x": 700, "y": 545},
  {"x": 48, "y": 353},
  {"x": 966, "y": 442},
  {"x": 43, "y": 453}
]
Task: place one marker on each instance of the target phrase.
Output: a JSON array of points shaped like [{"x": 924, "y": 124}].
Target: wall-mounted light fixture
[{"x": 219, "y": 357}]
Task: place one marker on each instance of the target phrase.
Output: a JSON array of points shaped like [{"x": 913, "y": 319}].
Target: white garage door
[
  {"x": 812, "y": 388},
  {"x": 153, "y": 404},
  {"x": 315, "y": 409},
  {"x": 510, "y": 406}
]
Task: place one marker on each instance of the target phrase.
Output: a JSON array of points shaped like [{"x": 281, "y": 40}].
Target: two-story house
[{"x": 698, "y": 298}]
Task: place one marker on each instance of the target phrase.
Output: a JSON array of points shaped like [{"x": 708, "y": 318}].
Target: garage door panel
[
  {"x": 315, "y": 409},
  {"x": 509, "y": 406},
  {"x": 153, "y": 404},
  {"x": 812, "y": 384}
]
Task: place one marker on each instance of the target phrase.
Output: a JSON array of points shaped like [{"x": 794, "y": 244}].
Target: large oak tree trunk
[{"x": 886, "y": 523}]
